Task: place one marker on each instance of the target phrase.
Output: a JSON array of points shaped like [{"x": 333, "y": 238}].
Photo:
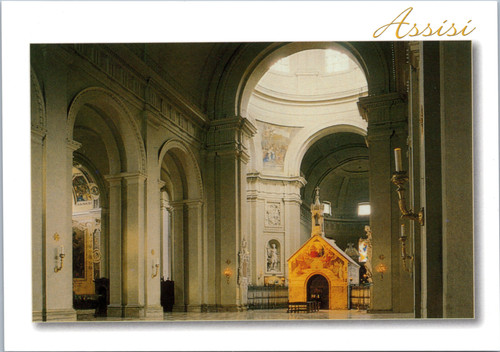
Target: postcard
[{"x": 250, "y": 175}]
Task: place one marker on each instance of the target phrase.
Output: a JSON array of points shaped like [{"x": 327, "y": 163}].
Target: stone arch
[
  {"x": 307, "y": 137},
  {"x": 38, "y": 116},
  {"x": 189, "y": 165},
  {"x": 112, "y": 107},
  {"x": 250, "y": 63}
]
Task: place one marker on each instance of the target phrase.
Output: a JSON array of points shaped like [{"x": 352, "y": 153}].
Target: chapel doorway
[{"x": 317, "y": 290}]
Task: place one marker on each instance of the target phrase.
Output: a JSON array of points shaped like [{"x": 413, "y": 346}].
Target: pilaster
[
  {"x": 227, "y": 144},
  {"x": 37, "y": 222},
  {"x": 58, "y": 195},
  {"x": 133, "y": 244},
  {"x": 115, "y": 248},
  {"x": 153, "y": 218},
  {"x": 387, "y": 129}
]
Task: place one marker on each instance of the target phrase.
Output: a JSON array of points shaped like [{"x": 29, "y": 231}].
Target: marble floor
[{"x": 263, "y": 315}]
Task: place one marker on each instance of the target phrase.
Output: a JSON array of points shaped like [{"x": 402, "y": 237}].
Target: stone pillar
[
  {"x": 58, "y": 195},
  {"x": 457, "y": 179},
  {"x": 37, "y": 223},
  {"x": 194, "y": 252},
  {"x": 414, "y": 135},
  {"x": 115, "y": 308},
  {"x": 292, "y": 220},
  {"x": 430, "y": 175},
  {"x": 166, "y": 254},
  {"x": 228, "y": 145},
  {"x": 178, "y": 270},
  {"x": 153, "y": 309},
  {"x": 386, "y": 118},
  {"x": 133, "y": 247}
]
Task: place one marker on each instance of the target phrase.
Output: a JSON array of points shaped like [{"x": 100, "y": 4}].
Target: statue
[
  {"x": 273, "y": 262},
  {"x": 368, "y": 243},
  {"x": 244, "y": 261}
]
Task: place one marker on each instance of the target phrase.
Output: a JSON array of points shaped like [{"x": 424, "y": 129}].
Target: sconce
[
  {"x": 156, "y": 266},
  {"x": 399, "y": 178},
  {"x": 404, "y": 255},
  {"x": 381, "y": 268},
  {"x": 227, "y": 272},
  {"x": 59, "y": 259}
]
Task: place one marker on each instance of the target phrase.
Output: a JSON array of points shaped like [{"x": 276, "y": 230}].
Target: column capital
[
  {"x": 230, "y": 136},
  {"x": 38, "y": 134},
  {"x": 190, "y": 203},
  {"x": 236, "y": 123},
  {"x": 73, "y": 145},
  {"x": 130, "y": 177},
  {"x": 134, "y": 177},
  {"x": 368, "y": 105}
]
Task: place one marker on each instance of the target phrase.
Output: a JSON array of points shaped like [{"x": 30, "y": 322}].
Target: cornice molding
[{"x": 369, "y": 104}]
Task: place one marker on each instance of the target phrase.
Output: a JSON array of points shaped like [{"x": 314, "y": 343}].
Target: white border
[{"x": 49, "y": 22}]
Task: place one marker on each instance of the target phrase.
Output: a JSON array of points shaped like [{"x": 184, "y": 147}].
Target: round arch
[
  {"x": 113, "y": 108},
  {"x": 189, "y": 164},
  {"x": 234, "y": 88},
  {"x": 307, "y": 137}
]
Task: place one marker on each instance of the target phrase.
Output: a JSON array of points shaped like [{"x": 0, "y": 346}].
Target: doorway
[{"x": 318, "y": 290}]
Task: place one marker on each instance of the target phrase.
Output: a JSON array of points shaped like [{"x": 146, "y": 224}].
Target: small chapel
[{"x": 321, "y": 271}]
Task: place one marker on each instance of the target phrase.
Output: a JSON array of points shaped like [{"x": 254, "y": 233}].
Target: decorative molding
[
  {"x": 367, "y": 105},
  {"x": 147, "y": 90},
  {"x": 73, "y": 145},
  {"x": 299, "y": 181},
  {"x": 231, "y": 134},
  {"x": 38, "y": 122},
  {"x": 190, "y": 203},
  {"x": 38, "y": 135},
  {"x": 112, "y": 67},
  {"x": 273, "y": 214}
]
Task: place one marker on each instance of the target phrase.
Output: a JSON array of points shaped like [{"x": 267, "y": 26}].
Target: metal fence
[
  {"x": 267, "y": 297},
  {"x": 359, "y": 296}
]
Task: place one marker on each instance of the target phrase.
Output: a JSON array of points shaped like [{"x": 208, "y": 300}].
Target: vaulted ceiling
[{"x": 338, "y": 164}]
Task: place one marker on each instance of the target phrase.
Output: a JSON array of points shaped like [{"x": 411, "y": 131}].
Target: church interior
[{"x": 209, "y": 178}]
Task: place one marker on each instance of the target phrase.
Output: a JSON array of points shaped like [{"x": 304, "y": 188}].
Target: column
[
  {"x": 134, "y": 247},
  {"x": 178, "y": 271},
  {"x": 194, "y": 250},
  {"x": 58, "y": 195},
  {"x": 292, "y": 220},
  {"x": 37, "y": 223},
  {"x": 386, "y": 130},
  {"x": 166, "y": 254},
  {"x": 457, "y": 179},
  {"x": 431, "y": 187},
  {"x": 228, "y": 156},
  {"x": 115, "y": 308}
]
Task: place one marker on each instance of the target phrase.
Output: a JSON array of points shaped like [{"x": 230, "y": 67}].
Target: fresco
[
  {"x": 81, "y": 189},
  {"x": 316, "y": 256},
  {"x": 275, "y": 141}
]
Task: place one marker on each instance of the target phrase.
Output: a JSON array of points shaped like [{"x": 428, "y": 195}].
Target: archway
[
  {"x": 109, "y": 156},
  {"x": 181, "y": 240},
  {"x": 318, "y": 290},
  {"x": 89, "y": 264},
  {"x": 298, "y": 95}
]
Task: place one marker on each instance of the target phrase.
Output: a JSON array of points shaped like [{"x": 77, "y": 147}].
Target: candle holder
[
  {"x": 156, "y": 266},
  {"x": 59, "y": 259},
  {"x": 405, "y": 256},
  {"x": 399, "y": 178}
]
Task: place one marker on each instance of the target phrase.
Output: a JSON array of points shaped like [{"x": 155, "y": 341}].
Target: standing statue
[
  {"x": 273, "y": 262},
  {"x": 368, "y": 243}
]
